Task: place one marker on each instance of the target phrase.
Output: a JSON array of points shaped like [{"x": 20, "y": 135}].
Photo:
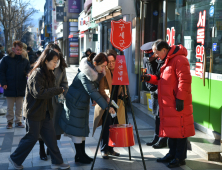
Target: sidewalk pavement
[{"x": 9, "y": 139}]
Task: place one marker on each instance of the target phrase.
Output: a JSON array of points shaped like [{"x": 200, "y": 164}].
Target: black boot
[
  {"x": 84, "y": 152},
  {"x": 80, "y": 157},
  {"x": 155, "y": 140},
  {"x": 176, "y": 163},
  {"x": 42, "y": 154},
  {"x": 162, "y": 143}
]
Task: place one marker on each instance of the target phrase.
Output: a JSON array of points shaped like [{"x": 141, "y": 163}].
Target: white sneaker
[
  {"x": 61, "y": 166},
  {"x": 14, "y": 164}
]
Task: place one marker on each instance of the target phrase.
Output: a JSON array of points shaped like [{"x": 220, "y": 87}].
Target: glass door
[{"x": 197, "y": 25}]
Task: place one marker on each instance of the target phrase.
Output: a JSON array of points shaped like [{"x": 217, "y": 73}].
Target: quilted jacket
[{"x": 175, "y": 82}]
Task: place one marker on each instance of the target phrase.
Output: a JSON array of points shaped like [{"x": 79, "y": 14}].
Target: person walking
[
  {"x": 175, "y": 100},
  {"x": 75, "y": 122},
  {"x": 105, "y": 89},
  {"x": 58, "y": 107},
  {"x": 14, "y": 69},
  {"x": 87, "y": 53},
  {"x": 25, "y": 48},
  {"x": 32, "y": 56},
  {"x": 2, "y": 52},
  {"x": 38, "y": 111},
  {"x": 153, "y": 65}
]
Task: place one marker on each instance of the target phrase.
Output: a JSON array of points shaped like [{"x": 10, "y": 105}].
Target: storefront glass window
[{"x": 197, "y": 25}]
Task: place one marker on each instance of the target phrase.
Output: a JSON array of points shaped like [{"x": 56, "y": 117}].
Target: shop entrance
[{"x": 197, "y": 25}]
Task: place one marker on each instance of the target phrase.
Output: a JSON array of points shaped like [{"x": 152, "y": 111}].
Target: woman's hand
[
  {"x": 94, "y": 103},
  {"x": 5, "y": 87},
  {"x": 108, "y": 99},
  {"x": 111, "y": 110}
]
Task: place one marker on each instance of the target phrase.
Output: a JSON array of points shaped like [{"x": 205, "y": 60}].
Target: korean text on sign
[{"x": 200, "y": 39}]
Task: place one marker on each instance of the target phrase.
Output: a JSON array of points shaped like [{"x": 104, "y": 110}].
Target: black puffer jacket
[
  {"x": 86, "y": 55},
  {"x": 13, "y": 72},
  {"x": 38, "y": 96},
  {"x": 32, "y": 57},
  {"x": 151, "y": 69}
]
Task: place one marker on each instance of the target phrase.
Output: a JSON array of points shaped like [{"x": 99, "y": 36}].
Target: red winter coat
[{"x": 175, "y": 82}]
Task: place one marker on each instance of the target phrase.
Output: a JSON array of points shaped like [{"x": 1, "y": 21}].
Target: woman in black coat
[{"x": 38, "y": 111}]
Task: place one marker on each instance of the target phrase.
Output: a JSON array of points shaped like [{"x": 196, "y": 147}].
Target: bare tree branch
[{"x": 14, "y": 16}]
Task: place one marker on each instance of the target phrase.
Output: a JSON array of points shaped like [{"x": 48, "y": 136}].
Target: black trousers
[
  {"x": 157, "y": 125},
  {"x": 105, "y": 136},
  {"x": 178, "y": 147},
  {"x": 47, "y": 131}
]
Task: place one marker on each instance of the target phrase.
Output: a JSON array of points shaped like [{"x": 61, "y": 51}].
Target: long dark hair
[
  {"x": 47, "y": 55},
  {"x": 53, "y": 46},
  {"x": 99, "y": 58}
]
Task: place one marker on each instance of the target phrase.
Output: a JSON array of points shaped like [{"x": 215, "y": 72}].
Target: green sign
[{"x": 95, "y": 37}]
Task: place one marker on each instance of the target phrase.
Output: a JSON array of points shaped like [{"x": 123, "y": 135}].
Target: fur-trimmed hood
[
  {"x": 88, "y": 69},
  {"x": 12, "y": 54}
]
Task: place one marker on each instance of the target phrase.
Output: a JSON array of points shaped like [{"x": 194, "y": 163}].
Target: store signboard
[
  {"x": 74, "y": 41},
  {"x": 200, "y": 39},
  {"x": 74, "y": 6},
  {"x": 59, "y": 2},
  {"x": 59, "y": 13}
]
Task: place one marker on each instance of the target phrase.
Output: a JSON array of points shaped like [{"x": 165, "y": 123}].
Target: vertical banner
[
  {"x": 200, "y": 39},
  {"x": 74, "y": 6},
  {"x": 120, "y": 75},
  {"x": 74, "y": 41},
  {"x": 59, "y": 13}
]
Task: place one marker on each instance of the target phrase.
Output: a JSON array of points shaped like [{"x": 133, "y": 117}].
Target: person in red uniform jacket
[{"x": 175, "y": 100}]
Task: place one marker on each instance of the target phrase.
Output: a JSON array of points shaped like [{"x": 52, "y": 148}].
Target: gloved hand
[
  {"x": 145, "y": 77},
  {"x": 179, "y": 105}
]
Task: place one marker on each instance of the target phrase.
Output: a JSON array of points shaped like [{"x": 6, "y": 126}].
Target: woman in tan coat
[{"x": 105, "y": 88}]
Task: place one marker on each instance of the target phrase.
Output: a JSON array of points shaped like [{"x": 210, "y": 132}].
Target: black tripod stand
[{"x": 134, "y": 120}]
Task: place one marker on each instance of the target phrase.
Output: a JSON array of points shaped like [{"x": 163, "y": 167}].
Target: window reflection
[{"x": 183, "y": 16}]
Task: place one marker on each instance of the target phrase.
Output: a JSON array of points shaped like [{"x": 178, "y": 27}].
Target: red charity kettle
[{"x": 121, "y": 135}]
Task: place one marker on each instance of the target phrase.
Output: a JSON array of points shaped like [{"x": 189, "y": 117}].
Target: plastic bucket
[{"x": 121, "y": 135}]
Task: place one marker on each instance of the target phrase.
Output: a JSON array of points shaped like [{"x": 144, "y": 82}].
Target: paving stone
[{"x": 9, "y": 139}]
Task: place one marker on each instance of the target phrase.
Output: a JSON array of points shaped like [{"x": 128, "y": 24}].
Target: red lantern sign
[
  {"x": 120, "y": 75},
  {"x": 121, "y": 35}
]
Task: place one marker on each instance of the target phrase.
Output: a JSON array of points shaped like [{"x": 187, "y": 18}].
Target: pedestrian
[
  {"x": 58, "y": 107},
  {"x": 105, "y": 89},
  {"x": 38, "y": 111},
  {"x": 87, "y": 53},
  {"x": 32, "y": 56},
  {"x": 175, "y": 100},
  {"x": 153, "y": 65},
  {"x": 38, "y": 53},
  {"x": 75, "y": 122},
  {"x": 25, "y": 48},
  {"x": 2, "y": 52},
  {"x": 14, "y": 69}
]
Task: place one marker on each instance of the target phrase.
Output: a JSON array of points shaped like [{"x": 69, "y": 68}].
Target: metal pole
[
  {"x": 141, "y": 43},
  {"x": 165, "y": 19},
  {"x": 113, "y": 90},
  {"x": 126, "y": 116},
  {"x": 137, "y": 133}
]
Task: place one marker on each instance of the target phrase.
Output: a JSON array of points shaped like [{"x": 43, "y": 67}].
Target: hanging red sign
[
  {"x": 120, "y": 75},
  {"x": 121, "y": 35}
]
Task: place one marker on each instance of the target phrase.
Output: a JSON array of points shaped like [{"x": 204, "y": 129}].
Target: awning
[
  {"x": 76, "y": 33},
  {"x": 109, "y": 16},
  {"x": 60, "y": 38}
]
